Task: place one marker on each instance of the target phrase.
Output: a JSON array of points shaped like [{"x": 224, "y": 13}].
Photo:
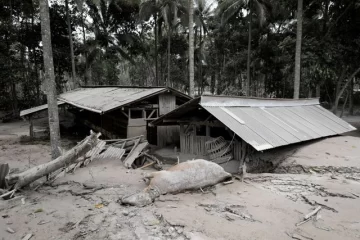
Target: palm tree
[
  {"x": 50, "y": 79},
  {"x": 203, "y": 10},
  {"x": 105, "y": 39},
  {"x": 73, "y": 70},
  {"x": 152, "y": 8},
  {"x": 230, "y": 8},
  {"x": 191, "y": 48},
  {"x": 163, "y": 11},
  {"x": 298, "y": 49}
]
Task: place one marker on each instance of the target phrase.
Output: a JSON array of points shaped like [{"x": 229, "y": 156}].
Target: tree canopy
[{"x": 146, "y": 43}]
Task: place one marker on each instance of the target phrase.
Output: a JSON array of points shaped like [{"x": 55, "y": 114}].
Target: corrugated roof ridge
[
  {"x": 236, "y": 101},
  {"x": 260, "y": 98}
]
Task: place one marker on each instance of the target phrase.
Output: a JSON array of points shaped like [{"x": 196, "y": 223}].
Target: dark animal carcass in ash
[{"x": 188, "y": 175}]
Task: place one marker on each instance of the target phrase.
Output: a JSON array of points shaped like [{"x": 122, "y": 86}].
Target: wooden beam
[
  {"x": 152, "y": 113},
  {"x": 124, "y": 114},
  {"x": 197, "y": 123}
]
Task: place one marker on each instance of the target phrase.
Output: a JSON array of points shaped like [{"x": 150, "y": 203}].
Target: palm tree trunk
[
  {"x": 37, "y": 81},
  {"x": 341, "y": 91},
  {"x": 191, "y": 48},
  {"x": 50, "y": 78},
  {"x": 317, "y": 94},
  {"x": 248, "y": 70},
  {"x": 169, "y": 58},
  {"x": 298, "y": 50},
  {"x": 73, "y": 70},
  {"x": 14, "y": 100},
  {"x": 201, "y": 62},
  {"x": 156, "y": 52},
  {"x": 351, "y": 97},
  {"x": 87, "y": 74}
]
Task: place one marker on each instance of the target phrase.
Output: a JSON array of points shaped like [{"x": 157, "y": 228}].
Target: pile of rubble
[{"x": 133, "y": 152}]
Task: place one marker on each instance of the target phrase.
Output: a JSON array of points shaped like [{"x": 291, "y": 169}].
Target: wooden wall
[
  {"x": 167, "y": 135},
  {"x": 190, "y": 143},
  {"x": 167, "y": 103},
  {"x": 136, "y": 127}
]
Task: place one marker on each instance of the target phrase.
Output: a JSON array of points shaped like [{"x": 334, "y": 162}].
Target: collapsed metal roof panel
[
  {"x": 36, "y": 109},
  {"x": 243, "y": 130},
  {"x": 104, "y": 99},
  {"x": 267, "y": 123},
  {"x": 270, "y": 127}
]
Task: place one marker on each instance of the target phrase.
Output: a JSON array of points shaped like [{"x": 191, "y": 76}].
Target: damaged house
[
  {"x": 120, "y": 111},
  {"x": 223, "y": 128}
]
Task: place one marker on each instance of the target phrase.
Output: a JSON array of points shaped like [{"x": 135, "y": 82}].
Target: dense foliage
[{"x": 129, "y": 42}]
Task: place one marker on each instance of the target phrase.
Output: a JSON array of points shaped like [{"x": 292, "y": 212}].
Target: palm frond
[
  {"x": 183, "y": 14},
  {"x": 127, "y": 38},
  {"x": 200, "y": 5},
  {"x": 79, "y": 4},
  {"x": 94, "y": 54},
  {"x": 209, "y": 8},
  {"x": 229, "y": 8},
  {"x": 104, "y": 11},
  {"x": 147, "y": 9},
  {"x": 124, "y": 55},
  {"x": 263, "y": 10}
]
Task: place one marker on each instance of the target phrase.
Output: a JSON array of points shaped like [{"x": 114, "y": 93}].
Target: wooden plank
[
  {"x": 136, "y": 142},
  {"x": 112, "y": 152},
  {"x": 152, "y": 113},
  {"x": 127, "y": 116},
  {"x": 134, "y": 154},
  {"x": 121, "y": 140},
  {"x": 167, "y": 103}
]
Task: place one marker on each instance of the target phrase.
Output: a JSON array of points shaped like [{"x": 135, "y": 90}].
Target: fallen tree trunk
[
  {"x": 188, "y": 175},
  {"x": 24, "y": 178}
]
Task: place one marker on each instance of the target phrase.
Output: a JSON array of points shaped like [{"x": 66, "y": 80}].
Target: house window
[
  {"x": 136, "y": 113},
  {"x": 219, "y": 131}
]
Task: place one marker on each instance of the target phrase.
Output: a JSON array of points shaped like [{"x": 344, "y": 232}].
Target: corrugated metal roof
[
  {"x": 101, "y": 99},
  {"x": 270, "y": 127},
  {"x": 227, "y": 101},
  {"x": 36, "y": 109},
  {"x": 104, "y": 99},
  {"x": 94, "y": 152},
  {"x": 112, "y": 153},
  {"x": 267, "y": 123}
]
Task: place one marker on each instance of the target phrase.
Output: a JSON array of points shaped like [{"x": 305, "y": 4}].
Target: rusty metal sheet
[{"x": 37, "y": 109}]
